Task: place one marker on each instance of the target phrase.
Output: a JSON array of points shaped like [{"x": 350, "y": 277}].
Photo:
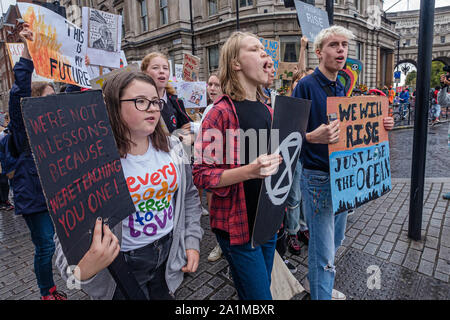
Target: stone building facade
[
  {"x": 169, "y": 27},
  {"x": 407, "y": 26}
]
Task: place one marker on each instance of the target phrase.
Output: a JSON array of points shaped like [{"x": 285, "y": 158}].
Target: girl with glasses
[{"x": 161, "y": 240}]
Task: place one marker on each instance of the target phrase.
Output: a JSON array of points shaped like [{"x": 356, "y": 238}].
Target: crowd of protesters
[{"x": 150, "y": 126}]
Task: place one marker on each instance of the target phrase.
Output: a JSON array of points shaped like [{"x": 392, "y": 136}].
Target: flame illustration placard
[{"x": 59, "y": 47}]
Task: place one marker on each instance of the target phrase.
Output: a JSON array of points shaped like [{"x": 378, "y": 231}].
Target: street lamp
[
  {"x": 398, "y": 55},
  {"x": 405, "y": 69}
]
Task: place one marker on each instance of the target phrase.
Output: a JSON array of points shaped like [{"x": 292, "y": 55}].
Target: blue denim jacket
[{"x": 28, "y": 195}]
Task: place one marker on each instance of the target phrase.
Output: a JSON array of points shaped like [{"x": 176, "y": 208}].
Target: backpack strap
[{"x": 326, "y": 88}]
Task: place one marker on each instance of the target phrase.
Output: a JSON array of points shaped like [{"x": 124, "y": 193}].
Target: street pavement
[{"x": 377, "y": 260}]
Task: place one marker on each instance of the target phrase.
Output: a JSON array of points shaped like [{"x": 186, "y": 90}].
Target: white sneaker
[
  {"x": 215, "y": 254},
  {"x": 335, "y": 295},
  {"x": 205, "y": 211}
]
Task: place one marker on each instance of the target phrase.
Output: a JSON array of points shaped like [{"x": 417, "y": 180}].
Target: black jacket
[{"x": 28, "y": 195}]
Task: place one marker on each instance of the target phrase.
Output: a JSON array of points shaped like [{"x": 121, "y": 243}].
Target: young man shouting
[{"x": 326, "y": 229}]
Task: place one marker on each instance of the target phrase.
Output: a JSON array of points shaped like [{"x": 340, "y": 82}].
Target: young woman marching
[
  {"x": 236, "y": 184},
  {"x": 165, "y": 244},
  {"x": 156, "y": 65}
]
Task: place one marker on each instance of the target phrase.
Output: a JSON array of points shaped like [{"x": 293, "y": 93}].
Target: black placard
[
  {"x": 78, "y": 165},
  {"x": 290, "y": 120}
]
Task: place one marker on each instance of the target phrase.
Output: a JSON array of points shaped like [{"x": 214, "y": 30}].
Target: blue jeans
[
  {"x": 251, "y": 268},
  {"x": 437, "y": 111},
  {"x": 294, "y": 212},
  {"x": 42, "y": 232},
  {"x": 326, "y": 230}
]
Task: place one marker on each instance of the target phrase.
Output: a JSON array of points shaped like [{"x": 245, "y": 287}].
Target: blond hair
[
  {"x": 228, "y": 78},
  {"x": 331, "y": 31},
  {"x": 146, "y": 62}
]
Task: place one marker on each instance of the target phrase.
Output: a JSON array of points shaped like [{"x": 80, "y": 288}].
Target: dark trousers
[
  {"x": 251, "y": 268},
  {"x": 4, "y": 188},
  {"x": 42, "y": 232},
  {"x": 148, "y": 265}
]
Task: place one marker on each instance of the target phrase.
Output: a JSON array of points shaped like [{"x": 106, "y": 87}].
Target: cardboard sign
[
  {"x": 193, "y": 94},
  {"x": 272, "y": 48},
  {"x": 97, "y": 83},
  {"x": 104, "y": 33},
  {"x": 98, "y": 71},
  {"x": 350, "y": 74},
  {"x": 178, "y": 72},
  {"x": 311, "y": 19},
  {"x": 191, "y": 67},
  {"x": 15, "y": 52},
  {"x": 286, "y": 70},
  {"x": 78, "y": 164},
  {"x": 290, "y": 121},
  {"x": 59, "y": 47},
  {"x": 359, "y": 163}
]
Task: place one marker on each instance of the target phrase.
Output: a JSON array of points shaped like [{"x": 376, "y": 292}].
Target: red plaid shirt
[{"x": 228, "y": 210}]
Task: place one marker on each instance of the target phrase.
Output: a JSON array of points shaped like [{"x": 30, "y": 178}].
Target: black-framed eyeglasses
[{"x": 143, "y": 104}]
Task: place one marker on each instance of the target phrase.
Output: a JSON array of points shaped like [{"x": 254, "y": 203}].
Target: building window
[
  {"x": 358, "y": 50},
  {"x": 357, "y": 4},
  {"x": 212, "y": 6},
  {"x": 213, "y": 58},
  {"x": 245, "y": 3},
  {"x": 163, "y": 12},
  {"x": 120, "y": 13},
  {"x": 144, "y": 18},
  {"x": 407, "y": 43},
  {"x": 442, "y": 39},
  {"x": 290, "y": 48}
]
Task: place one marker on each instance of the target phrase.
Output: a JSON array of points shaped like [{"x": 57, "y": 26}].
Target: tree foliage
[
  {"x": 436, "y": 72},
  {"x": 411, "y": 78}
]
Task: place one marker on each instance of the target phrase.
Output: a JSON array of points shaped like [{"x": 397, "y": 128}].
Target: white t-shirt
[{"x": 152, "y": 180}]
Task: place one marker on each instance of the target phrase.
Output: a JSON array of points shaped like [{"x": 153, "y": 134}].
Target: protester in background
[
  {"x": 4, "y": 170},
  {"x": 4, "y": 183},
  {"x": 326, "y": 229},
  {"x": 29, "y": 199},
  {"x": 404, "y": 101},
  {"x": 294, "y": 219},
  {"x": 156, "y": 65},
  {"x": 270, "y": 94},
  {"x": 295, "y": 78},
  {"x": 385, "y": 91},
  {"x": 157, "y": 256},
  {"x": 214, "y": 91},
  {"x": 443, "y": 99},
  {"x": 244, "y": 69},
  {"x": 391, "y": 95},
  {"x": 435, "y": 106}
]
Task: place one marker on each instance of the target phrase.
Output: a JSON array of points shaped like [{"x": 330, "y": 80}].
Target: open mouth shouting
[{"x": 340, "y": 59}]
